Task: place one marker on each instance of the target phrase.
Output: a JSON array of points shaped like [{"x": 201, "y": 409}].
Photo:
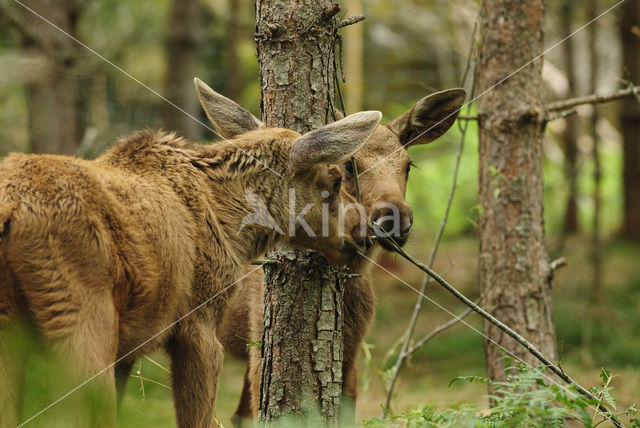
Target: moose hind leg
[
  {"x": 122, "y": 373},
  {"x": 79, "y": 373},
  {"x": 196, "y": 360},
  {"x": 243, "y": 416},
  {"x": 16, "y": 343}
]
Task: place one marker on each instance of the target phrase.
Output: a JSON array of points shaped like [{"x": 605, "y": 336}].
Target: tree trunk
[
  {"x": 182, "y": 62},
  {"x": 353, "y": 40},
  {"x": 53, "y": 98},
  {"x": 514, "y": 272},
  {"x": 234, "y": 38},
  {"x": 596, "y": 253},
  {"x": 302, "y": 339},
  {"x": 570, "y": 134},
  {"x": 630, "y": 120}
]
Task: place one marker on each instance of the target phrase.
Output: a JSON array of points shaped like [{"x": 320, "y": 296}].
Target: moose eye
[
  {"x": 336, "y": 185},
  {"x": 409, "y": 165},
  {"x": 348, "y": 168}
]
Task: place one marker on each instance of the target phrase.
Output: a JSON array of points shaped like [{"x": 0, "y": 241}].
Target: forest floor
[{"x": 590, "y": 336}]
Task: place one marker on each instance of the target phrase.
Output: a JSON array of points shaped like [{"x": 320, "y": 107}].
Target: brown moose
[
  {"x": 383, "y": 165},
  {"x": 108, "y": 259}
]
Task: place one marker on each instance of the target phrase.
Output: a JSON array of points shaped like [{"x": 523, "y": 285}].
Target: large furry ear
[
  {"x": 228, "y": 117},
  {"x": 429, "y": 118},
  {"x": 334, "y": 142}
]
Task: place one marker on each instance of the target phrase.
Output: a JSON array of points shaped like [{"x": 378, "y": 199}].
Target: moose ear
[
  {"x": 334, "y": 142},
  {"x": 229, "y": 118},
  {"x": 429, "y": 118}
]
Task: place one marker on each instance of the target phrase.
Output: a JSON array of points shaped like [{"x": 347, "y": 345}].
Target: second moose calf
[{"x": 383, "y": 164}]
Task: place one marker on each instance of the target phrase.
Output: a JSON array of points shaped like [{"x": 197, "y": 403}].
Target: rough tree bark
[
  {"x": 514, "y": 272},
  {"x": 630, "y": 119},
  {"x": 182, "y": 62},
  {"x": 302, "y": 340}
]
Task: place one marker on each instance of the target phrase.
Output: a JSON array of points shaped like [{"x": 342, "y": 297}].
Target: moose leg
[
  {"x": 122, "y": 373},
  {"x": 86, "y": 353},
  {"x": 255, "y": 377},
  {"x": 243, "y": 415},
  {"x": 349, "y": 390},
  {"x": 196, "y": 360},
  {"x": 14, "y": 349}
]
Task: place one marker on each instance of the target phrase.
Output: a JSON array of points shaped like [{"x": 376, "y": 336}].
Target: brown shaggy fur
[
  {"x": 100, "y": 256},
  {"x": 386, "y": 161}
]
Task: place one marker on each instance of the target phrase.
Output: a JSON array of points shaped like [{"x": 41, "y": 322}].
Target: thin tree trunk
[
  {"x": 234, "y": 37},
  {"x": 53, "y": 99},
  {"x": 596, "y": 254},
  {"x": 353, "y": 42},
  {"x": 630, "y": 120},
  {"x": 182, "y": 62},
  {"x": 514, "y": 272},
  {"x": 303, "y": 339},
  {"x": 570, "y": 134}
]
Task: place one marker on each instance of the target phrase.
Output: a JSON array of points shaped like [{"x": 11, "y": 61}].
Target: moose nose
[
  {"x": 394, "y": 219},
  {"x": 406, "y": 222}
]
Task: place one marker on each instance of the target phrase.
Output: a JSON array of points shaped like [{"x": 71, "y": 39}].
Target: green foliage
[
  {"x": 526, "y": 398},
  {"x": 430, "y": 182}
]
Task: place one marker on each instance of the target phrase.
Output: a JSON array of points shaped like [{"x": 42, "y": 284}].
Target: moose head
[{"x": 320, "y": 215}]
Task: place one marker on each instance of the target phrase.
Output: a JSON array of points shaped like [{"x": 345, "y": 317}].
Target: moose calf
[
  {"x": 113, "y": 258},
  {"x": 383, "y": 165}
]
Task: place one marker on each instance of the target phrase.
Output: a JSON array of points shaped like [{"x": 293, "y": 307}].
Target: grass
[{"x": 589, "y": 336}]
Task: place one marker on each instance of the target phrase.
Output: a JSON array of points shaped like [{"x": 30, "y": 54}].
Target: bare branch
[
  {"x": 464, "y": 117},
  {"x": 439, "y": 329},
  {"x": 562, "y": 114},
  {"x": 351, "y": 21},
  {"x": 331, "y": 11},
  {"x": 558, "y": 263},
  {"x": 594, "y": 99},
  {"x": 567, "y": 106}
]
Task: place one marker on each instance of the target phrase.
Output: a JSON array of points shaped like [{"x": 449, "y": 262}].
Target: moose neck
[
  {"x": 233, "y": 178},
  {"x": 250, "y": 192}
]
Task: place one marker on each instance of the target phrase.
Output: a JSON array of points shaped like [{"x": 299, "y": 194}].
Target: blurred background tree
[
  {"x": 630, "y": 119},
  {"x": 56, "y": 96}
]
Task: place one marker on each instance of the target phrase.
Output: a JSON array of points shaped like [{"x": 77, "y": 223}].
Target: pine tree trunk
[
  {"x": 630, "y": 120},
  {"x": 182, "y": 63},
  {"x": 514, "y": 272},
  {"x": 302, "y": 339}
]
